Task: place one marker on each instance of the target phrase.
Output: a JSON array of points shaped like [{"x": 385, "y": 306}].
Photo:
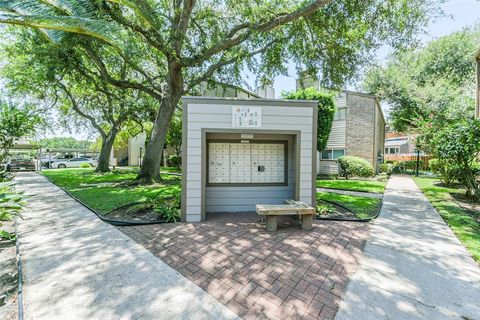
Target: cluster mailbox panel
[{"x": 247, "y": 163}]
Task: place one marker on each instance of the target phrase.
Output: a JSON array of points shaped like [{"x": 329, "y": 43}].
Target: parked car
[
  {"x": 47, "y": 160},
  {"x": 17, "y": 164},
  {"x": 72, "y": 163}
]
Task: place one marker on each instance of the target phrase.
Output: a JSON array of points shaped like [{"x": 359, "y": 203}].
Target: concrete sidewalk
[
  {"x": 78, "y": 267},
  {"x": 413, "y": 266}
]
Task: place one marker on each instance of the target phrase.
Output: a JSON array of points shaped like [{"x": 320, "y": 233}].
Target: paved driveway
[{"x": 291, "y": 274}]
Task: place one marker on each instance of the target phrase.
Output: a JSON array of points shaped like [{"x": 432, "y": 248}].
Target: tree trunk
[
  {"x": 150, "y": 169},
  {"x": 105, "y": 151}
]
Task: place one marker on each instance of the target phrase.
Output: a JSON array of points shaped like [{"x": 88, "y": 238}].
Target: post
[
  {"x": 418, "y": 161},
  {"x": 271, "y": 223},
  {"x": 140, "y": 159},
  {"x": 39, "y": 159}
]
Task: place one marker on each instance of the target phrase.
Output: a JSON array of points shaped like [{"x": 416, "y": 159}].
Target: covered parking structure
[
  {"x": 50, "y": 153},
  {"x": 33, "y": 151}
]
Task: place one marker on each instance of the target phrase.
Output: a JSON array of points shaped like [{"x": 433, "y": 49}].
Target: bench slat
[{"x": 292, "y": 207}]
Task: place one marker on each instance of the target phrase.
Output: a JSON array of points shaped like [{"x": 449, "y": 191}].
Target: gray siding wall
[
  {"x": 234, "y": 199},
  {"x": 218, "y": 116},
  {"x": 336, "y": 140}
]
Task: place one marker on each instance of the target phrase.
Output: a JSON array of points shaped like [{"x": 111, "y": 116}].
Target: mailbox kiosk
[{"x": 237, "y": 153}]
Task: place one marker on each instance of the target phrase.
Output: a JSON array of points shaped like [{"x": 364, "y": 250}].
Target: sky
[{"x": 458, "y": 15}]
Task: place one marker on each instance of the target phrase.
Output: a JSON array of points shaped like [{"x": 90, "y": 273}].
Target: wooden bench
[{"x": 291, "y": 207}]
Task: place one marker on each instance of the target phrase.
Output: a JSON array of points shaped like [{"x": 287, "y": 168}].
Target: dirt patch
[
  {"x": 468, "y": 204},
  {"x": 99, "y": 184},
  {"x": 8, "y": 276},
  {"x": 135, "y": 212}
]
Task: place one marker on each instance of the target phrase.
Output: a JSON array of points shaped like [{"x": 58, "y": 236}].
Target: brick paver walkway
[{"x": 291, "y": 274}]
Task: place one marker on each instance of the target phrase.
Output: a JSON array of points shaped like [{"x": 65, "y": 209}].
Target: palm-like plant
[
  {"x": 10, "y": 207},
  {"x": 56, "y": 17}
]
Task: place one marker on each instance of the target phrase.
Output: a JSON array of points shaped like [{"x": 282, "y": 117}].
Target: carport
[{"x": 28, "y": 148}]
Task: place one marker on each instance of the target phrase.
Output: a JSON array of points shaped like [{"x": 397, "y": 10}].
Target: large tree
[
  {"x": 430, "y": 86},
  {"x": 15, "y": 122},
  {"x": 60, "y": 75},
  {"x": 176, "y": 45}
]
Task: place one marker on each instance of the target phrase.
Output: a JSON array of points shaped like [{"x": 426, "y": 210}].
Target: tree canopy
[
  {"x": 326, "y": 111},
  {"x": 62, "y": 77},
  {"x": 15, "y": 123},
  {"x": 173, "y": 47},
  {"x": 65, "y": 142},
  {"x": 432, "y": 84}
]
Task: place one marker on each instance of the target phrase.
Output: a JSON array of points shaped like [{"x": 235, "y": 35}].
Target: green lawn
[
  {"x": 170, "y": 169},
  {"x": 363, "y": 207},
  {"x": 353, "y": 185},
  {"x": 461, "y": 221},
  {"x": 100, "y": 191}
]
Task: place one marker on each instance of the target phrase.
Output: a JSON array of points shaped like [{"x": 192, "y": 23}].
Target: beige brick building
[{"x": 358, "y": 129}]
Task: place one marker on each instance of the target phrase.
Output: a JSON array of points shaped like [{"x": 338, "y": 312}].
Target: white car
[{"x": 73, "y": 163}]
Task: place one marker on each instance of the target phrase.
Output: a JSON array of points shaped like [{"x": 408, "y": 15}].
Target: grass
[
  {"x": 171, "y": 169},
  {"x": 461, "y": 221},
  {"x": 354, "y": 185},
  {"x": 100, "y": 191},
  {"x": 363, "y": 207}
]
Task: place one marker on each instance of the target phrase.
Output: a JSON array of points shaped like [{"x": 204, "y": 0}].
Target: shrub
[
  {"x": 167, "y": 206},
  {"x": 382, "y": 177},
  {"x": 459, "y": 146},
  {"x": 355, "y": 166},
  {"x": 324, "y": 209},
  {"x": 174, "y": 161},
  {"x": 85, "y": 165},
  {"x": 386, "y": 168},
  {"x": 326, "y": 111},
  {"x": 412, "y": 164},
  {"x": 444, "y": 170},
  {"x": 403, "y": 166}
]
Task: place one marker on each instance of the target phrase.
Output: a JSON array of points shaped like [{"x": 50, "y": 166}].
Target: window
[
  {"x": 392, "y": 150},
  {"x": 332, "y": 154},
  {"x": 326, "y": 154},
  {"x": 340, "y": 114}
]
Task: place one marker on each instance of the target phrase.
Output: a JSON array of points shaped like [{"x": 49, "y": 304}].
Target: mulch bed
[
  {"x": 134, "y": 212},
  {"x": 339, "y": 212}
]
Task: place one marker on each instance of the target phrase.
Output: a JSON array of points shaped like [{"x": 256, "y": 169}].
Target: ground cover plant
[
  {"x": 353, "y": 185},
  {"x": 363, "y": 207},
  {"x": 465, "y": 223},
  {"x": 105, "y": 192}
]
